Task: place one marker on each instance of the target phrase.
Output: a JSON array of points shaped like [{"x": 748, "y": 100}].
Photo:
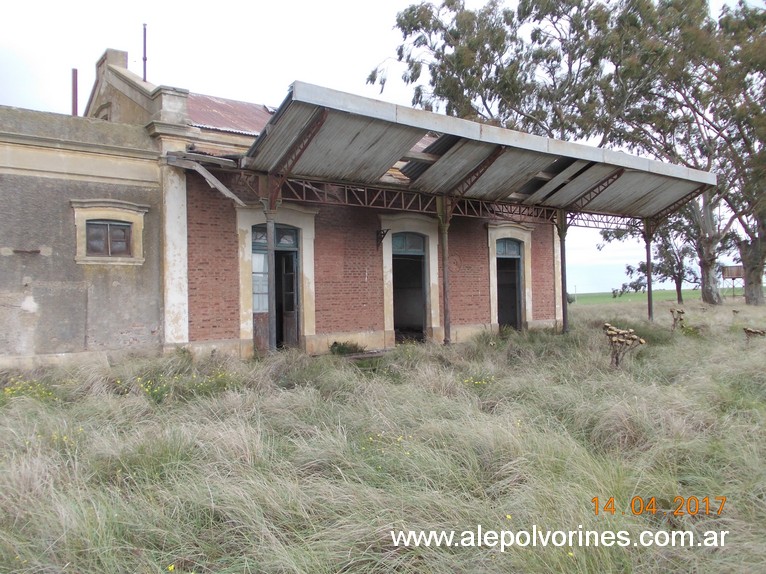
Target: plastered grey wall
[{"x": 49, "y": 303}]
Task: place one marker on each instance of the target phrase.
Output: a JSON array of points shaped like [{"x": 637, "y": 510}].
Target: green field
[
  {"x": 730, "y": 295},
  {"x": 298, "y": 464}
]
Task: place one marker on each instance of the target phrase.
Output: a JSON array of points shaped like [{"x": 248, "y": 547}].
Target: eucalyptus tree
[
  {"x": 661, "y": 78},
  {"x": 527, "y": 69},
  {"x": 672, "y": 255},
  {"x": 738, "y": 77},
  {"x": 706, "y": 111}
]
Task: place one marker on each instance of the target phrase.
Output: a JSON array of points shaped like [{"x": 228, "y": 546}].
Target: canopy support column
[
  {"x": 445, "y": 207},
  {"x": 270, "y": 204},
  {"x": 562, "y": 226},
  {"x": 649, "y": 228}
]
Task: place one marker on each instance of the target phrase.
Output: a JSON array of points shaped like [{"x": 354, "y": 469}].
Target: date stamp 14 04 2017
[{"x": 681, "y": 505}]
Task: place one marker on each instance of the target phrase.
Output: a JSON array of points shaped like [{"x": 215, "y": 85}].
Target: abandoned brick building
[{"x": 165, "y": 218}]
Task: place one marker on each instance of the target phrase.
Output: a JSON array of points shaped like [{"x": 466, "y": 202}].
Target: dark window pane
[
  {"x": 508, "y": 248},
  {"x": 408, "y": 243},
  {"x": 259, "y": 235},
  {"x": 414, "y": 242},
  {"x": 119, "y": 240},
  {"x": 107, "y": 238},
  {"x": 286, "y": 237},
  {"x": 96, "y": 238}
]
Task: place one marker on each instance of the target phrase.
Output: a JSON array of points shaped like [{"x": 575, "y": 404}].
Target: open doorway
[
  {"x": 287, "y": 300},
  {"x": 408, "y": 268},
  {"x": 509, "y": 283}
]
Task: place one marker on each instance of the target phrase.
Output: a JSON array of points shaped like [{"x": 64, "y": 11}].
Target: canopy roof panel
[{"x": 326, "y": 135}]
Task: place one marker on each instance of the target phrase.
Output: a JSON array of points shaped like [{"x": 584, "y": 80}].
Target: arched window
[
  {"x": 509, "y": 282},
  {"x": 109, "y": 231},
  {"x": 507, "y": 247},
  {"x": 407, "y": 243}
]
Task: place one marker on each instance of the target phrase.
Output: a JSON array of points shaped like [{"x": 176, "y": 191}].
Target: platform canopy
[{"x": 321, "y": 134}]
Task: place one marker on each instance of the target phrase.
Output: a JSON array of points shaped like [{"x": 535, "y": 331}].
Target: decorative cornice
[
  {"x": 159, "y": 129},
  {"x": 72, "y": 145}
]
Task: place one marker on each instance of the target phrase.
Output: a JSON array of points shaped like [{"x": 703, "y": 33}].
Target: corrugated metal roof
[
  {"x": 360, "y": 141},
  {"x": 232, "y": 116}
]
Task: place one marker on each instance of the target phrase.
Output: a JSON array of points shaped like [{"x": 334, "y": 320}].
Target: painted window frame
[{"x": 111, "y": 210}]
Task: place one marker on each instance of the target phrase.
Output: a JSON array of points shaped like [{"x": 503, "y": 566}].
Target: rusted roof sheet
[
  {"x": 225, "y": 115},
  {"x": 357, "y": 140}
]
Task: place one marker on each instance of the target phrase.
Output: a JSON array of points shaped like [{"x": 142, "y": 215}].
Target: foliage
[
  {"x": 672, "y": 250},
  {"x": 659, "y": 78},
  {"x": 17, "y": 385},
  {"x": 346, "y": 348}
]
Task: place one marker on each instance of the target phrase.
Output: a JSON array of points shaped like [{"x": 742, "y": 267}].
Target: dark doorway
[
  {"x": 408, "y": 268},
  {"x": 287, "y": 316},
  {"x": 509, "y": 283}
]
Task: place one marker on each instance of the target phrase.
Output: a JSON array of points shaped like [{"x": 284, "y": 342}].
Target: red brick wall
[
  {"x": 213, "y": 263},
  {"x": 543, "y": 278},
  {"x": 469, "y": 272},
  {"x": 348, "y": 270}
]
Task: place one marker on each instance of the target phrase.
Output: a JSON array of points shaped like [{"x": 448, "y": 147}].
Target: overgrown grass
[{"x": 301, "y": 464}]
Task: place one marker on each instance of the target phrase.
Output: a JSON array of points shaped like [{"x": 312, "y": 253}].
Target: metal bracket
[{"x": 381, "y": 235}]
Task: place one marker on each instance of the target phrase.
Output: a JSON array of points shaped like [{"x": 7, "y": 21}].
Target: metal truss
[
  {"x": 293, "y": 189},
  {"x": 672, "y": 208},
  {"x": 356, "y": 196},
  {"x": 602, "y": 221},
  {"x": 404, "y": 200},
  {"x": 596, "y": 190}
]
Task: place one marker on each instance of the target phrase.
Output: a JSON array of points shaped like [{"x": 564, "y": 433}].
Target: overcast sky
[{"x": 250, "y": 51}]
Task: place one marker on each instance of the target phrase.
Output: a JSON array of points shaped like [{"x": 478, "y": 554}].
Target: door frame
[
  {"x": 523, "y": 234},
  {"x": 421, "y": 255},
  {"x": 429, "y": 227},
  {"x": 519, "y": 281},
  {"x": 294, "y": 216},
  {"x": 280, "y": 250}
]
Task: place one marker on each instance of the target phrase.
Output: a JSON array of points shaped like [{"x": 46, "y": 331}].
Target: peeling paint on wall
[{"x": 29, "y": 305}]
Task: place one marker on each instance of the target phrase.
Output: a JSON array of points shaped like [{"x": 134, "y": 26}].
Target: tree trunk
[
  {"x": 753, "y": 257},
  {"x": 679, "y": 294},
  {"x": 708, "y": 278},
  {"x": 706, "y": 244}
]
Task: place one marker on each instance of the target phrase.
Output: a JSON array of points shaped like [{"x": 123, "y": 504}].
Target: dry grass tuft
[{"x": 291, "y": 463}]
